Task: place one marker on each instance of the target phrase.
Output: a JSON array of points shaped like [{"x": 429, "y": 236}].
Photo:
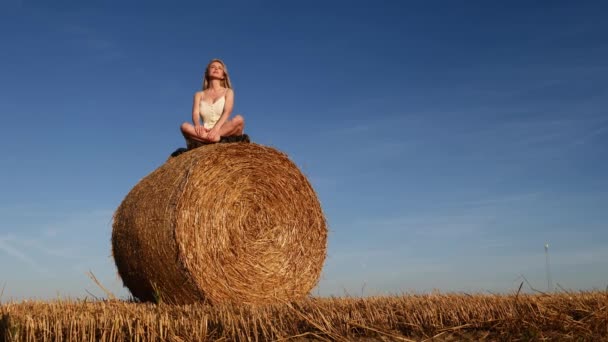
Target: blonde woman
[{"x": 213, "y": 105}]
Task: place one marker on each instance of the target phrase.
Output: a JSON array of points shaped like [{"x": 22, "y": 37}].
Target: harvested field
[{"x": 580, "y": 316}]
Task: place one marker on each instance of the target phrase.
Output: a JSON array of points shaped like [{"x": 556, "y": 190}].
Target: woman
[{"x": 213, "y": 105}]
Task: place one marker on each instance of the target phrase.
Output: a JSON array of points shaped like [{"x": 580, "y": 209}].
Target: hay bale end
[{"x": 235, "y": 223}]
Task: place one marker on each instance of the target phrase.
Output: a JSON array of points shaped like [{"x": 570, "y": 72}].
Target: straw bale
[{"x": 236, "y": 223}]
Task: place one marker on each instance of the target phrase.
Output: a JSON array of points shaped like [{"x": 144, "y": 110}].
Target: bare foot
[
  {"x": 206, "y": 138},
  {"x": 212, "y": 137}
]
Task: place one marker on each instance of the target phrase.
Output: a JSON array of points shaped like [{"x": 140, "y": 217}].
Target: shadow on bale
[{"x": 236, "y": 223}]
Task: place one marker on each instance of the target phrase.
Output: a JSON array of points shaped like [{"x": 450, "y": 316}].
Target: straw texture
[{"x": 229, "y": 223}]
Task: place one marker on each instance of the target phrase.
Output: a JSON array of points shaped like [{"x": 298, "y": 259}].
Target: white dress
[{"x": 211, "y": 113}]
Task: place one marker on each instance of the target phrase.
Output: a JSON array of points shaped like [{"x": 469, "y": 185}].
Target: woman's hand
[
  {"x": 201, "y": 131},
  {"x": 214, "y": 134}
]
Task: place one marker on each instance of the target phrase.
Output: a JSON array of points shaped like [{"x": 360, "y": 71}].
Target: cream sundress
[{"x": 211, "y": 113}]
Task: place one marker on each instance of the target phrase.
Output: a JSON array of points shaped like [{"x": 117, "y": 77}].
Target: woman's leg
[
  {"x": 189, "y": 132},
  {"x": 233, "y": 127}
]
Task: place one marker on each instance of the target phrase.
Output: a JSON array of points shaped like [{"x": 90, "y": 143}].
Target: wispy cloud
[
  {"x": 558, "y": 131},
  {"x": 451, "y": 225},
  {"x": 49, "y": 236},
  {"x": 47, "y": 248},
  {"x": 591, "y": 134},
  {"x": 518, "y": 145},
  {"x": 377, "y": 271},
  {"x": 11, "y": 4},
  {"x": 500, "y": 200},
  {"x": 465, "y": 210},
  {"x": 100, "y": 47},
  {"x": 7, "y": 246},
  {"x": 512, "y": 81},
  {"x": 370, "y": 130}
]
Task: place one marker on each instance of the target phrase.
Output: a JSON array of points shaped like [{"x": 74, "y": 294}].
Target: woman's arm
[
  {"x": 196, "y": 114},
  {"x": 227, "y": 108},
  {"x": 196, "y": 107},
  {"x": 228, "y": 105}
]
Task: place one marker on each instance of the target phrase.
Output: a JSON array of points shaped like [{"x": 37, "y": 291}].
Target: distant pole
[{"x": 549, "y": 285}]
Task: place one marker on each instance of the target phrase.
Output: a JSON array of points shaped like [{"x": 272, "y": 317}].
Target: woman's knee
[
  {"x": 239, "y": 120},
  {"x": 184, "y": 127}
]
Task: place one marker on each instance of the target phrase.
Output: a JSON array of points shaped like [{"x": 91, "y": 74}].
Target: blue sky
[{"x": 447, "y": 142}]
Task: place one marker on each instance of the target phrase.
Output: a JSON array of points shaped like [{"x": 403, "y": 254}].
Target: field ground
[{"x": 577, "y": 316}]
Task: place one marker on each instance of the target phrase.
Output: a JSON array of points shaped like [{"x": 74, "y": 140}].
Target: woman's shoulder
[{"x": 198, "y": 93}]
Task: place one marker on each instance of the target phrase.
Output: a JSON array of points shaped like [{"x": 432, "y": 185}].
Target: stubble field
[{"x": 579, "y": 316}]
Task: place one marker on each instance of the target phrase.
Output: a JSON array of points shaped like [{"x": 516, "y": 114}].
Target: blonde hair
[{"x": 225, "y": 82}]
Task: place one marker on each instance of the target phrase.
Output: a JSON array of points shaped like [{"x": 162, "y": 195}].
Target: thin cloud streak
[
  {"x": 493, "y": 201},
  {"x": 101, "y": 48},
  {"x": 44, "y": 248},
  {"x": 17, "y": 254},
  {"x": 388, "y": 269}
]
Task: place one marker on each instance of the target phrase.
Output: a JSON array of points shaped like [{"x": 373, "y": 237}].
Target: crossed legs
[{"x": 230, "y": 127}]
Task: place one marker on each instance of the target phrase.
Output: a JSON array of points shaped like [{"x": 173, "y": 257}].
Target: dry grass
[
  {"x": 580, "y": 316},
  {"x": 224, "y": 222}
]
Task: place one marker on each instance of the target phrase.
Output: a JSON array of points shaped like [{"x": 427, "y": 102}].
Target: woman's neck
[{"x": 215, "y": 84}]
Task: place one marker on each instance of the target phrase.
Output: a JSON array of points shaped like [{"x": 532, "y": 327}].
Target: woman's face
[{"x": 216, "y": 70}]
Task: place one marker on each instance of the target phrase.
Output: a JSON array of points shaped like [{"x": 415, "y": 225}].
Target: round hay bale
[{"x": 234, "y": 223}]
